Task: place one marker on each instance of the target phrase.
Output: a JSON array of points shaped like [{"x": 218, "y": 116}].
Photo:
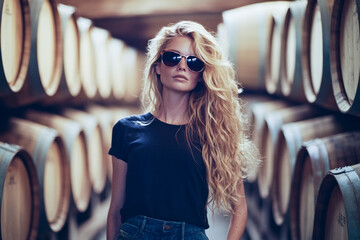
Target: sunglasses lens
[
  {"x": 195, "y": 64},
  {"x": 171, "y": 59}
]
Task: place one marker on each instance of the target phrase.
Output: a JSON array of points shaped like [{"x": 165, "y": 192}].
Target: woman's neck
[{"x": 174, "y": 108}]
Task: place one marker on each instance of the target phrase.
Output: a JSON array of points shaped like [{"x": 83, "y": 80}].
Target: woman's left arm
[{"x": 239, "y": 217}]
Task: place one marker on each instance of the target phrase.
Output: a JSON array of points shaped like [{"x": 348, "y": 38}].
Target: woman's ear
[{"x": 157, "y": 68}]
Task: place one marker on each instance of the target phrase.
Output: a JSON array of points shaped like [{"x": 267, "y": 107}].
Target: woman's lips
[{"x": 180, "y": 76}]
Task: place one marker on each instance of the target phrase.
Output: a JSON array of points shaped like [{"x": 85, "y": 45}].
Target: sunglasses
[{"x": 172, "y": 59}]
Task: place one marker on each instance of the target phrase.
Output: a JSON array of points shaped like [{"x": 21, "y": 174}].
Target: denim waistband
[{"x": 156, "y": 225}]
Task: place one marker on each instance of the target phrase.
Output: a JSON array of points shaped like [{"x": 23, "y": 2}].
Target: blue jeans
[{"x": 145, "y": 228}]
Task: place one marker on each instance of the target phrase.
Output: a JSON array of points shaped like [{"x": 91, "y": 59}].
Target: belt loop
[
  {"x": 183, "y": 231},
  {"x": 143, "y": 224}
]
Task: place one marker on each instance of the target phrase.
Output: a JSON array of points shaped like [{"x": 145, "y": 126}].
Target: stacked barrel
[
  {"x": 298, "y": 64},
  {"x": 63, "y": 84}
]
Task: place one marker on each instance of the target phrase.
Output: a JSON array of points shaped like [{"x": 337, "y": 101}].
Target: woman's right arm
[{"x": 117, "y": 197}]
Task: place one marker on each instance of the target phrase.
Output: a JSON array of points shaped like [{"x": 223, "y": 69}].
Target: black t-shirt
[{"x": 165, "y": 179}]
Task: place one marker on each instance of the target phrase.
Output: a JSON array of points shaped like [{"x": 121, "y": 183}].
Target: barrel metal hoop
[
  {"x": 4, "y": 165},
  {"x": 341, "y": 170},
  {"x": 349, "y": 184}
]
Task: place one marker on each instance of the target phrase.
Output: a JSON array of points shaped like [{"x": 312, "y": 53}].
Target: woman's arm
[
  {"x": 239, "y": 217},
  {"x": 117, "y": 197}
]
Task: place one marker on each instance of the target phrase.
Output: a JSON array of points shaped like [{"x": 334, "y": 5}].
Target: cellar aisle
[{"x": 219, "y": 224}]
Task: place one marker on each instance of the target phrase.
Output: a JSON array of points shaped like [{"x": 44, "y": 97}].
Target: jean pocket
[{"x": 127, "y": 231}]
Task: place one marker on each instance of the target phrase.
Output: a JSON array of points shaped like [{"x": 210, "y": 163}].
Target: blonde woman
[{"x": 188, "y": 150}]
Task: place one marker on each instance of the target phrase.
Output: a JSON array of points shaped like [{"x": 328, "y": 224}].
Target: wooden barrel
[
  {"x": 101, "y": 39},
  {"x": 92, "y": 130},
  {"x": 272, "y": 126},
  {"x": 249, "y": 37},
  {"x": 70, "y": 84},
  {"x": 71, "y": 40},
  {"x": 117, "y": 68},
  {"x": 75, "y": 144},
  {"x": 337, "y": 212},
  {"x": 316, "y": 54},
  {"x": 134, "y": 65},
  {"x": 345, "y": 55},
  {"x": 273, "y": 63},
  {"x": 105, "y": 118},
  {"x": 223, "y": 38},
  {"x": 44, "y": 71},
  {"x": 48, "y": 152},
  {"x": 315, "y": 158},
  {"x": 258, "y": 113},
  {"x": 15, "y": 45},
  {"x": 19, "y": 194},
  {"x": 87, "y": 58},
  {"x": 291, "y": 137},
  {"x": 247, "y": 101},
  {"x": 291, "y": 67}
]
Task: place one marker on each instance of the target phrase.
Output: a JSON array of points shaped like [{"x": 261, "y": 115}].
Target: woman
[{"x": 190, "y": 141}]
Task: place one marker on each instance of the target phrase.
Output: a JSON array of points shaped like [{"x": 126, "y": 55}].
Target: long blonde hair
[{"x": 214, "y": 110}]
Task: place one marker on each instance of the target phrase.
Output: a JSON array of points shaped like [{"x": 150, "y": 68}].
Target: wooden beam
[
  {"x": 129, "y": 8},
  {"x": 136, "y": 31}
]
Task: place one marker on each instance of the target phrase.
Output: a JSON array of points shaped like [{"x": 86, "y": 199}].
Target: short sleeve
[{"x": 119, "y": 142}]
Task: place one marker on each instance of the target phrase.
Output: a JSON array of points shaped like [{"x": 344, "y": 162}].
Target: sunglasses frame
[{"x": 182, "y": 56}]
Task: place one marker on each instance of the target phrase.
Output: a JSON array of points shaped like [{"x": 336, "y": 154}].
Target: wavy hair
[{"x": 214, "y": 112}]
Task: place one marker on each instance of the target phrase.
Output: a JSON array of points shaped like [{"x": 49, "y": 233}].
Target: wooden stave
[
  {"x": 324, "y": 97},
  {"x": 38, "y": 146},
  {"x": 105, "y": 119},
  {"x": 232, "y": 19},
  {"x": 134, "y": 67},
  {"x": 85, "y": 25},
  {"x": 335, "y": 68},
  {"x": 101, "y": 38},
  {"x": 92, "y": 130},
  {"x": 258, "y": 112},
  {"x": 272, "y": 83},
  {"x": 117, "y": 69},
  {"x": 5, "y": 89},
  {"x": 33, "y": 89},
  {"x": 322, "y": 158},
  {"x": 291, "y": 138},
  {"x": 259, "y": 15},
  {"x": 12, "y": 151},
  {"x": 293, "y": 89},
  {"x": 246, "y": 102},
  {"x": 350, "y": 190},
  {"x": 70, "y": 131},
  {"x": 273, "y": 123},
  {"x": 66, "y": 90}
]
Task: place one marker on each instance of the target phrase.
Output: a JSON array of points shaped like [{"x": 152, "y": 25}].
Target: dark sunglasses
[{"x": 172, "y": 59}]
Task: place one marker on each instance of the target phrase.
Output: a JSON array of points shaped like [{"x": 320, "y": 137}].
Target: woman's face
[{"x": 179, "y": 78}]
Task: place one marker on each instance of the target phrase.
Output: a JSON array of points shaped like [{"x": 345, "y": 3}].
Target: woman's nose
[{"x": 182, "y": 64}]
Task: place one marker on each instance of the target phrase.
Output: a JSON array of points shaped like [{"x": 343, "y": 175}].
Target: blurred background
[{"x": 70, "y": 69}]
